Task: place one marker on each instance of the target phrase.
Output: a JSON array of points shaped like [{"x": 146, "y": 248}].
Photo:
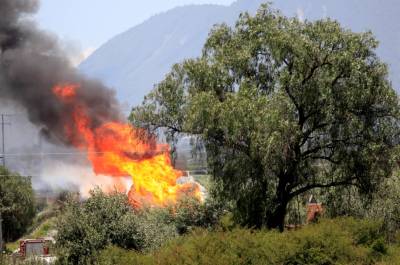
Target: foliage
[
  {"x": 189, "y": 213},
  {"x": 84, "y": 228},
  {"x": 17, "y": 204},
  {"x": 383, "y": 205},
  {"x": 283, "y": 107},
  {"x": 113, "y": 255},
  {"x": 331, "y": 242},
  {"x": 43, "y": 225},
  {"x": 41, "y": 230}
]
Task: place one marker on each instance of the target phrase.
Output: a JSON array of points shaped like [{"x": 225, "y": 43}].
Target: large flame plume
[
  {"x": 84, "y": 114},
  {"x": 117, "y": 149}
]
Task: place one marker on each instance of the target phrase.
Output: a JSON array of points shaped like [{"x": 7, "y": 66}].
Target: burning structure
[{"x": 74, "y": 111}]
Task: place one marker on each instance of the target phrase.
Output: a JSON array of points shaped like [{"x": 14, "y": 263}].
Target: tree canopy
[
  {"x": 17, "y": 204},
  {"x": 282, "y": 107}
]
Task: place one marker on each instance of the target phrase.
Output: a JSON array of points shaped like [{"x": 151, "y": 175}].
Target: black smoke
[{"x": 32, "y": 63}]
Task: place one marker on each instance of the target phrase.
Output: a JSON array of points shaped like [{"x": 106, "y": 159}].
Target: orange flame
[{"x": 119, "y": 150}]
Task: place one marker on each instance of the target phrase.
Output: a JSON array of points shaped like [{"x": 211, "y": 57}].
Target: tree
[
  {"x": 283, "y": 107},
  {"x": 17, "y": 204}
]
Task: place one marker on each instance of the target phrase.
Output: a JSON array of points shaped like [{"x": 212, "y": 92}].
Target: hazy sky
[{"x": 89, "y": 23}]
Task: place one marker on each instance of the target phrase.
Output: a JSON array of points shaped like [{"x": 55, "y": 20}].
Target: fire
[
  {"x": 118, "y": 150},
  {"x": 65, "y": 92}
]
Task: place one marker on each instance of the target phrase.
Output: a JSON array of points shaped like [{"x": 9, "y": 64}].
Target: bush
[
  {"x": 156, "y": 227},
  {"x": 189, "y": 213},
  {"x": 113, "y": 255},
  {"x": 331, "y": 242},
  {"x": 84, "y": 228}
]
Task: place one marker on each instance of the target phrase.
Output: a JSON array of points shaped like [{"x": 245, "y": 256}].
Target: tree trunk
[{"x": 276, "y": 219}]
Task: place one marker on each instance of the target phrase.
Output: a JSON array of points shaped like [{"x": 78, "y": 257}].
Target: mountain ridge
[{"x": 133, "y": 61}]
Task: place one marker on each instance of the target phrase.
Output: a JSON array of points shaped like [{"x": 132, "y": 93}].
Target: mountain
[{"x": 135, "y": 60}]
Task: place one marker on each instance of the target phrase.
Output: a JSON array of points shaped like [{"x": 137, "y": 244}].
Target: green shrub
[
  {"x": 379, "y": 247},
  {"x": 189, "y": 213},
  {"x": 84, "y": 228},
  {"x": 113, "y": 255},
  {"x": 326, "y": 243},
  {"x": 155, "y": 227},
  {"x": 364, "y": 232},
  {"x": 330, "y": 242}
]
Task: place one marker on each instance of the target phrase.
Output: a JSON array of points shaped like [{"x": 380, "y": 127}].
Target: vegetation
[
  {"x": 383, "y": 205},
  {"x": 102, "y": 219},
  {"x": 43, "y": 229},
  {"x": 17, "y": 204},
  {"x": 84, "y": 228},
  {"x": 339, "y": 241},
  {"x": 44, "y": 223},
  {"x": 283, "y": 107}
]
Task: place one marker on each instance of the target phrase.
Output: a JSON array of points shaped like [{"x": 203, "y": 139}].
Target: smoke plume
[
  {"x": 81, "y": 113},
  {"x": 32, "y": 63}
]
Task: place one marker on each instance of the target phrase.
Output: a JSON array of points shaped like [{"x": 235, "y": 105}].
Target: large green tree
[
  {"x": 17, "y": 204},
  {"x": 283, "y": 107}
]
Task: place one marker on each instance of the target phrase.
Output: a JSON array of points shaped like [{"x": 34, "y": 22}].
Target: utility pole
[
  {"x": 1, "y": 233},
  {"x": 4, "y": 165},
  {"x": 3, "y": 145}
]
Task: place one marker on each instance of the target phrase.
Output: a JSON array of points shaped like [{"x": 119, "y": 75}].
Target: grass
[
  {"x": 12, "y": 246},
  {"x": 393, "y": 257},
  {"x": 44, "y": 228}
]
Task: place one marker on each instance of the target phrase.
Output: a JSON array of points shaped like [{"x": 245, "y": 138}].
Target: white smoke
[
  {"x": 63, "y": 175},
  {"x": 300, "y": 14}
]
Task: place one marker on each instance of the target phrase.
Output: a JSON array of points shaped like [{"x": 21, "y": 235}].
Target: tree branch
[{"x": 321, "y": 185}]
